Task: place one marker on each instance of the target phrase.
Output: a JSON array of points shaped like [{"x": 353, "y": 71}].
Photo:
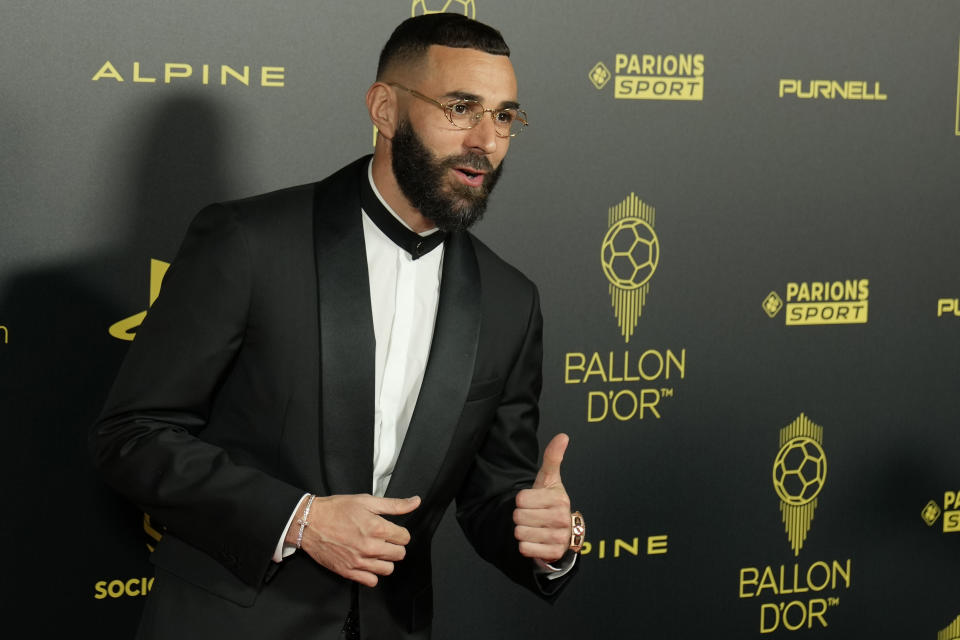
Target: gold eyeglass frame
[{"x": 448, "y": 110}]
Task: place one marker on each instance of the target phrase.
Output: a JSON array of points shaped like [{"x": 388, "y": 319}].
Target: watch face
[{"x": 577, "y": 530}]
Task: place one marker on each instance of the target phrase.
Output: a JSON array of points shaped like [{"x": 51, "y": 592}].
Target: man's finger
[
  {"x": 395, "y": 506},
  {"x": 389, "y": 551},
  {"x": 363, "y": 577},
  {"x": 379, "y": 567},
  {"x": 546, "y": 498},
  {"x": 549, "y": 473},
  {"x": 545, "y": 552},
  {"x": 541, "y": 535},
  {"x": 543, "y": 517}
]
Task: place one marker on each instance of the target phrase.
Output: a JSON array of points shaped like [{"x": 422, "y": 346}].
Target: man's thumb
[
  {"x": 549, "y": 474},
  {"x": 398, "y": 506}
]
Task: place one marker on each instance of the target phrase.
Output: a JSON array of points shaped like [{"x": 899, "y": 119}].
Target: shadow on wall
[{"x": 58, "y": 363}]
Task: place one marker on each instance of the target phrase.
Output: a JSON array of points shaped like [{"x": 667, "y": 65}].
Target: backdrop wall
[{"x": 742, "y": 219}]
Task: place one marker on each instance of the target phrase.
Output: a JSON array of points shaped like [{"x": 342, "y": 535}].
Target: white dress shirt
[{"x": 403, "y": 297}]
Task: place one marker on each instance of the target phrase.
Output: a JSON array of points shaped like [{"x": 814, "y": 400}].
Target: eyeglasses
[{"x": 464, "y": 113}]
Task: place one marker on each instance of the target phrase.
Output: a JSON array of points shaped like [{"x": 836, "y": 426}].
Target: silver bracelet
[{"x": 303, "y": 522}]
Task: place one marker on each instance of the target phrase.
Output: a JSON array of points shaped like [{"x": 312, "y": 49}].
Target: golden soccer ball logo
[
  {"x": 423, "y": 7},
  {"x": 630, "y": 253},
  {"x": 799, "y": 471}
]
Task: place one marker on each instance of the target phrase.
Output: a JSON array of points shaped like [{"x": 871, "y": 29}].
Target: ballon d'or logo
[
  {"x": 952, "y": 632},
  {"x": 629, "y": 255},
  {"x": 799, "y": 473}
]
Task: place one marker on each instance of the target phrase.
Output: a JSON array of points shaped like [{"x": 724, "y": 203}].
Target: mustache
[{"x": 471, "y": 160}]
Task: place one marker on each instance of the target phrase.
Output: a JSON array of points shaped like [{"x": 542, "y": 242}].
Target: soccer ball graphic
[
  {"x": 423, "y": 7},
  {"x": 630, "y": 253},
  {"x": 799, "y": 471}
]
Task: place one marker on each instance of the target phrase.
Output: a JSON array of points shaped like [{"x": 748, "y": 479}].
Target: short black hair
[{"x": 412, "y": 37}]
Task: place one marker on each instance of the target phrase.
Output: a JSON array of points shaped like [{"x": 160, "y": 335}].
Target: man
[{"x": 318, "y": 380}]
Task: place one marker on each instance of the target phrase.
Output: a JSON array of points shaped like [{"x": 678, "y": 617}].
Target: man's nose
[{"x": 483, "y": 135}]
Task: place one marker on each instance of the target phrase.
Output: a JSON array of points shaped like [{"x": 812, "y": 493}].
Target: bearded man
[{"x": 329, "y": 366}]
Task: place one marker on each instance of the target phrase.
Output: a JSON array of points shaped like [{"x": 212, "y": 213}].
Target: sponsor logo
[
  {"x": 422, "y": 7},
  {"x": 126, "y": 329},
  {"x": 830, "y": 90},
  {"x": 652, "y": 76},
  {"x": 819, "y": 303},
  {"x": 137, "y": 72},
  {"x": 625, "y": 547},
  {"x": 948, "y": 306},
  {"x": 629, "y": 255},
  {"x": 950, "y": 511},
  {"x": 931, "y": 513},
  {"x": 153, "y": 533},
  {"x": 600, "y": 75},
  {"x": 772, "y": 304},
  {"x": 4, "y": 334},
  {"x": 131, "y": 588}
]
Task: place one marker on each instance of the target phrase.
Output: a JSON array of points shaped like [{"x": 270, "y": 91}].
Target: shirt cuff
[
  {"x": 557, "y": 569},
  {"x": 283, "y": 550}
]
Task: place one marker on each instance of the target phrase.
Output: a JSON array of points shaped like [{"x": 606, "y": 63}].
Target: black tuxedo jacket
[{"x": 251, "y": 381}]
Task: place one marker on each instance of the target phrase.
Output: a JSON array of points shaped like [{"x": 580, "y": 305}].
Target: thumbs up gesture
[{"x": 542, "y": 517}]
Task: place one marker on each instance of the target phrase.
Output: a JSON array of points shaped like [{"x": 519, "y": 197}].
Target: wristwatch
[{"x": 578, "y": 530}]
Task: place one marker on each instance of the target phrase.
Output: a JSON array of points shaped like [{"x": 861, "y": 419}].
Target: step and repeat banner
[{"x": 743, "y": 220}]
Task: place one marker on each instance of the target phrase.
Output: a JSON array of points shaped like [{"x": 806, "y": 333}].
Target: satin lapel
[
  {"x": 346, "y": 333},
  {"x": 446, "y": 380}
]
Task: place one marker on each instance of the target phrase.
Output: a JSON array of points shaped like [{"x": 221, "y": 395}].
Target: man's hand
[
  {"x": 542, "y": 515},
  {"x": 347, "y": 535}
]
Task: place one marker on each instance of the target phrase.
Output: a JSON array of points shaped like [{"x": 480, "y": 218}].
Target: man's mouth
[{"x": 469, "y": 176}]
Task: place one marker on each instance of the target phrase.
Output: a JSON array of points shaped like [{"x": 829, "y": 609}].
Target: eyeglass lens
[{"x": 467, "y": 113}]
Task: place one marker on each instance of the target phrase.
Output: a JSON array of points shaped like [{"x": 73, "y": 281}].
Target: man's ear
[{"x": 382, "y": 106}]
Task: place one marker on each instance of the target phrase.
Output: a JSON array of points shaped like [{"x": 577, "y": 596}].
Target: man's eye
[
  {"x": 506, "y": 117},
  {"x": 460, "y": 108}
]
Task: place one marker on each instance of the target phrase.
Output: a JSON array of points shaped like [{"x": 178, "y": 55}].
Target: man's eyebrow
[{"x": 465, "y": 95}]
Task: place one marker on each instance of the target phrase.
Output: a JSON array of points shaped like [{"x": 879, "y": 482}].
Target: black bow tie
[{"x": 411, "y": 242}]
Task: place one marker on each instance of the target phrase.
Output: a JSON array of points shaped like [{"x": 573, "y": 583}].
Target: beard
[{"x": 424, "y": 180}]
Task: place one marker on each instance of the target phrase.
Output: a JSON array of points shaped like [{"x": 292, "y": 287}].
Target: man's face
[
  {"x": 445, "y": 172},
  {"x": 426, "y": 182}
]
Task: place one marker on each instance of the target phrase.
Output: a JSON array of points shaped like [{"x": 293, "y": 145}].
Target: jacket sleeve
[
  {"x": 507, "y": 462},
  {"x": 148, "y": 441}
]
